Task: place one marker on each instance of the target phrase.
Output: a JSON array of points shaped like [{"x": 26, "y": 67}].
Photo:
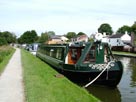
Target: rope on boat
[{"x": 98, "y": 75}]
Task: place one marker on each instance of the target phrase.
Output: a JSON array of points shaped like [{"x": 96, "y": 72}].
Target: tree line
[
  {"x": 7, "y": 37},
  {"x": 29, "y": 37}
]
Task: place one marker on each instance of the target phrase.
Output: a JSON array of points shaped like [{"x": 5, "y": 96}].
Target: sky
[{"x": 62, "y": 16}]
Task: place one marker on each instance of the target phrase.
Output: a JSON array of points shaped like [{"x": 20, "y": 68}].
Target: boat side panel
[
  {"x": 52, "y": 61},
  {"x": 110, "y": 79}
]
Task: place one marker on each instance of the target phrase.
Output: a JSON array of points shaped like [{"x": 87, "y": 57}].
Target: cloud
[{"x": 65, "y": 15}]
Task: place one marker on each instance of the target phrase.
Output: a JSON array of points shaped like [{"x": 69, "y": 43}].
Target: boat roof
[{"x": 74, "y": 44}]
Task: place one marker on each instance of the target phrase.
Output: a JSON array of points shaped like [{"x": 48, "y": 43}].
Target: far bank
[{"x": 125, "y": 54}]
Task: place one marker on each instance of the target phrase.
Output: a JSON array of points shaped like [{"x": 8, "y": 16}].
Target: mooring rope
[{"x": 98, "y": 75}]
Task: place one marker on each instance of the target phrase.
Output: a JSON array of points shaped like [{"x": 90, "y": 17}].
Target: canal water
[{"x": 125, "y": 91}]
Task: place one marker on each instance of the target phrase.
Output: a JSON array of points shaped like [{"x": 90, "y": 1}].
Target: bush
[
  {"x": 1, "y": 58},
  {"x": 3, "y": 41},
  {"x": 4, "y": 51}
]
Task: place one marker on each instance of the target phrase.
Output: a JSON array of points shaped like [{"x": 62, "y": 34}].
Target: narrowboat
[
  {"x": 32, "y": 48},
  {"x": 83, "y": 62}
]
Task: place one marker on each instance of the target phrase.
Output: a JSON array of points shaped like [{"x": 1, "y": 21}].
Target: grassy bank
[
  {"x": 128, "y": 54},
  {"x": 6, "y": 53},
  {"x": 41, "y": 85}
]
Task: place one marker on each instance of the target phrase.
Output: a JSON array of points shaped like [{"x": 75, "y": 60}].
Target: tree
[
  {"x": 105, "y": 28},
  {"x": 43, "y": 38},
  {"x": 28, "y": 37},
  {"x": 20, "y": 40},
  {"x": 133, "y": 28},
  {"x": 51, "y": 33},
  {"x": 46, "y": 36},
  {"x": 3, "y": 41},
  {"x": 133, "y": 34},
  {"x": 71, "y": 35},
  {"x": 80, "y": 33},
  {"x": 7, "y": 37},
  {"x": 123, "y": 29}
]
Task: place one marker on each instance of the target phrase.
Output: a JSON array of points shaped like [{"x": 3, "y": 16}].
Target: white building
[
  {"x": 120, "y": 39},
  {"x": 126, "y": 38},
  {"x": 115, "y": 40}
]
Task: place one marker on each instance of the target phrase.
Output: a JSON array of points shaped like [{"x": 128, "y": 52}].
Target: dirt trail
[{"x": 11, "y": 80}]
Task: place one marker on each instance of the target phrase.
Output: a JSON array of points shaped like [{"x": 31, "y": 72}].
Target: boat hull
[
  {"x": 111, "y": 79},
  {"x": 108, "y": 78}
]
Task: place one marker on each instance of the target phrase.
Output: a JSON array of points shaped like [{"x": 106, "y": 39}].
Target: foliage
[
  {"x": 123, "y": 29},
  {"x": 124, "y": 53},
  {"x": 28, "y": 37},
  {"x": 7, "y": 38},
  {"x": 71, "y": 35},
  {"x": 43, "y": 38},
  {"x": 5, "y": 54},
  {"x": 3, "y": 41},
  {"x": 105, "y": 28},
  {"x": 91, "y": 40},
  {"x": 41, "y": 85},
  {"x": 50, "y": 33},
  {"x": 133, "y": 28},
  {"x": 80, "y": 33}
]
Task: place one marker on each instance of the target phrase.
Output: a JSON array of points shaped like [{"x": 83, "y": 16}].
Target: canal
[{"x": 125, "y": 91}]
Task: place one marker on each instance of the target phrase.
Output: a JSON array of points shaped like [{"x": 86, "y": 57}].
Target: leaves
[
  {"x": 71, "y": 35},
  {"x": 28, "y": 37},
  {"x": 105, "y": 28},
  {"x": 123, "y": 29},
  {"x": 133, "y": 28},
  {"x": 7, "y": 37}
]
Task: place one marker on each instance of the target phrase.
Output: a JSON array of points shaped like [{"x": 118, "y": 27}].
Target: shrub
[{"x": 4, "y": 51}]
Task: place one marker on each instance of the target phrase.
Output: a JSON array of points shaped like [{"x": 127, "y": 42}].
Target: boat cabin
[
  {"x": 78, "y": 53},
  {"x": 91, "y": 53}
]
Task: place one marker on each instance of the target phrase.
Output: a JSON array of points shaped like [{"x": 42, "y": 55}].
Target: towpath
[{"x": 11, "y": 80}]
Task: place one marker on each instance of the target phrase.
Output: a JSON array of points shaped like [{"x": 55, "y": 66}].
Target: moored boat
[
  {"x": 83, "y": 62},
  {"x": 32, "y": 48}
]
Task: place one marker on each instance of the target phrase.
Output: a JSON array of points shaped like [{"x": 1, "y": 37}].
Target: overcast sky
[{"x": 62, "y": 16}]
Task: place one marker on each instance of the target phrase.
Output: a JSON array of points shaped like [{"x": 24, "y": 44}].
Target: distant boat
[
  {"x": 32, "y": 48},
  {"x": 83, "y": 62}
]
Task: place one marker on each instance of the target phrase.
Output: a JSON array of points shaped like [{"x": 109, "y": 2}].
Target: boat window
[
  {"x": 59, "y": 53},
  {"x": 107, "y": 55},
  {"x": 90, "y": 57},
  {"x": 51, "y": 52},
  {"x": 47, "y": 51},
  {"x": 74, "y": 54}
]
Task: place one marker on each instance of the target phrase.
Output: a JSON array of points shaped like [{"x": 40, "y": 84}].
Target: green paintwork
[
  {"x": 83, "y": 61},
  {"x": 55, "y": 55},
  {"x": 100, "y": 54}
]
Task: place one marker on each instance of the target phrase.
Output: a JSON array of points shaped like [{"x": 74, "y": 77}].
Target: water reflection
[
  {"x": 125, "y": 91},
  {"x": 105, "y": 94},
  {"x": 129, "y": 69},
  {"x": 133, "y": 76}
]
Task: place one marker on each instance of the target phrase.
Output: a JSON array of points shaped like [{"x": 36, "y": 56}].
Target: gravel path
[{"x": 11, "y": 80}]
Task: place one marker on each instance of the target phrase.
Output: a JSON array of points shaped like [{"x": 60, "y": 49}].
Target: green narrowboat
[{"x": 83, "y": 62}]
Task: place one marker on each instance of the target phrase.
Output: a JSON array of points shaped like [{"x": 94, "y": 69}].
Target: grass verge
[
  {"x": 6, "y": 53},
  {"x": 41, "y": 85},
  {"x": 124, "y": 53}
]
